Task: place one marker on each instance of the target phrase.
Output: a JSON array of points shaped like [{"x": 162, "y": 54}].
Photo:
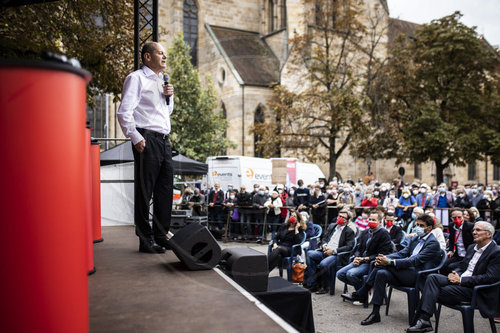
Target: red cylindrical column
[
  {"x": 95, "y": 152},
  {"x": 44, "y": 284},
  {"x": 89, "y": 213}
]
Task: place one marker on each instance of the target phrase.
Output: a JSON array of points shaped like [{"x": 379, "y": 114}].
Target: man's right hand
[
  {"x": 449, "y": 254},
  {"x": 139, "y": 146}
]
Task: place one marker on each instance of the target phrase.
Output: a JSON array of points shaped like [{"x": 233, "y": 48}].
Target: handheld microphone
[{"x": 165, "y": 80}]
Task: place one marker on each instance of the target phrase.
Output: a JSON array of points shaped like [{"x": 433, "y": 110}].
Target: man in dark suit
[
  {"x": 372, "y": 241},
  {"x": 459, "y": 241},
  {"x": 337, "y": 238},
  {"x": 215, "y": 200},
  {"x": 481, "y": 265},
  {"x": 395, "y": 231},
  {"x": 401, "y": 268}
]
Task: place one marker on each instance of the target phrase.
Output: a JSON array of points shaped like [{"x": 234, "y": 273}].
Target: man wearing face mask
[
  {"x": 258, "y": 201},
  {"x": 474, "y": 196},
  {"x": 318, "y": 206},
  {"x": 395, "y": 231},
  {"x": 337, "y": 238},
  {"x": 424, "y": 199},
  {"x": 486, "y": 206},
  {"x": 215, "y": 200},
  {"x": 462, "y": 201},
  {"x": 459, "y": 240},
  {"x": 442, "y": 199},
  {"x": 401, "y": 268},
  {"x": 302, "y": 196},
  {"x": 371, "y": 242}
]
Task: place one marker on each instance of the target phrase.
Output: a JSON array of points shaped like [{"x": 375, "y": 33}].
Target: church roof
[
  {"x": 249, "y": 54},
  {"x": 397, "y": 27}
]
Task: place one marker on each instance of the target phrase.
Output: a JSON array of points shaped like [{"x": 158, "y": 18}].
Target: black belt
[{"x": 144, "y": 131}]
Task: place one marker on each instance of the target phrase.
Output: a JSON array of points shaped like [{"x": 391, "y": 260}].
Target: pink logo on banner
[{"x": 291, "y": 172}]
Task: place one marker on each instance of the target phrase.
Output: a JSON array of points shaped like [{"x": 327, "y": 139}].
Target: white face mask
[
  {"x": 292, "y": 192},
  {"x": 406, "y": 195},
  {"x": 415, "y": 192},
  {"x": 392, "y": 196},
  {"x": 231, "y": 197},
  {"x": 422, "y": 190}
]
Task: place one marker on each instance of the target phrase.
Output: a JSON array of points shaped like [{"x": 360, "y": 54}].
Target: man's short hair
[
  {"x": 148, "y": 47},
  {"x": 389, "y": 214},
  {"x": 429, "y": 220},
  {"x": 348, "y": 212},
  {"x": 488, "y": 226},
  {"x": 457, "y": 209},
  {"x": 379, "y": 214}
]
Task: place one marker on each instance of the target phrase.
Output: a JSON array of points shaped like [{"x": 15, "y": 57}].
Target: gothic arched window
[
  {"x": 283, "y": 14},
  {"x": 259, "y": 118},
  {"x": 271, "y": 15},
  {"x": 190, "y": 29}
]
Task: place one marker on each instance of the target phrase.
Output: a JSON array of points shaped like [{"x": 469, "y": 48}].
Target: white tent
[{"x": 117, "y": 194}]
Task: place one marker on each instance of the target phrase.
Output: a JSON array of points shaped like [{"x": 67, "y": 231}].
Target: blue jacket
[
  {"x": 428, "y": 200},
  {"x": 428, "y": 257}
]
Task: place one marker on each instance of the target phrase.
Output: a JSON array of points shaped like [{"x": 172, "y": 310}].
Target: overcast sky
[{"x": 485, "y": 14}]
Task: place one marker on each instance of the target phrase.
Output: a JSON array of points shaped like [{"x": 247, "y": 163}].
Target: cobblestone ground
[{"x": 332, "y": 315}]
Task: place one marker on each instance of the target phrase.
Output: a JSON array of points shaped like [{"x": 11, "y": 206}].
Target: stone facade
[{"x": 275, "y": 28}]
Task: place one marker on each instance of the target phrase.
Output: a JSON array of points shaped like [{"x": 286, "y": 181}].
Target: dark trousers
[
  {"x": 153, "y": 177},
  {"x": 438, "y": 288},
  {"x": 379, "y": 277},
  {"x": 277, "y": 255}
]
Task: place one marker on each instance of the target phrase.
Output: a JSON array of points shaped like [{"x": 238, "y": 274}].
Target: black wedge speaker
[
  {"x": 246, "y": 266},
  {"x": 195, "y": 246}
]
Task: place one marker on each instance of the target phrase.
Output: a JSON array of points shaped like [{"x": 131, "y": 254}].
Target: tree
[
  {"x": 98, "y": 33},
  {"x": 340, "y": 55},
  {"x": 198, "y": 127},
  {"x": 442, "y": 96}
]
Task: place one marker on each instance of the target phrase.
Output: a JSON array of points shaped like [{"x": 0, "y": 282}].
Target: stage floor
[{"x": 139, "y": 292}]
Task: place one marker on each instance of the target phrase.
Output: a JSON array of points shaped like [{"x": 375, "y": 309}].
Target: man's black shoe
[
  {"x": 163, "y": 242},
  {"x": 322, "y": 291},
  {"x": 357, "y": 297},
  {"x": 372, "y": 319},
  {"x": 421, "y": 326},
  {"x": 150, "y": 246}
]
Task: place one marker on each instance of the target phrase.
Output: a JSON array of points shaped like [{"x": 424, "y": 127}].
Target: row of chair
[{"x": 413, "y": 292}]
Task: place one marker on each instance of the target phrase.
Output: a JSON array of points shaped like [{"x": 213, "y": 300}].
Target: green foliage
[
  {"x": 330, "y": 110},
  {"x": 198, "y": 127},
  {"x": 98, "y": 33},
  {"x": 442, "y": 95}
]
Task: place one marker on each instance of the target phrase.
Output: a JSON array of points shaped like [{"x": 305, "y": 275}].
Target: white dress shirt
[
  {"x": 473, "y": 261},
  {"x": 438, "y": 233},
  {"x": 333, "y": 244},
  {"x": 144, "y": 105},
  {"x": 460, "y": 241}
]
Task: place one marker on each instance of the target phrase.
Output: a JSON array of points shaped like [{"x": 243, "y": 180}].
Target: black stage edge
[
  {"x": 290, "y": 302},
  {"x": 98, "y": 241}
]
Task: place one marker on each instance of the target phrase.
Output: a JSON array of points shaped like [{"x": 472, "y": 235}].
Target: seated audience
[
  {"x": 481, "y": 265},
  {"x": 362, "y": 220},
  {"x": 459, "y": 240},
  {"x": 371, "y": 242},
  {"x": 290, "y": 233},
  {"x": 337, "y": 238},
  {"x": 308, "y": 226},
  {"x": 401, "y": 268},
  {"x": 395, "y": 231}
]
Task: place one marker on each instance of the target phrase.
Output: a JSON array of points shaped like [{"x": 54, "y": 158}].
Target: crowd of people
[
  {"x": 250, "y": 214},
  {"x": 399, "y": 229}
]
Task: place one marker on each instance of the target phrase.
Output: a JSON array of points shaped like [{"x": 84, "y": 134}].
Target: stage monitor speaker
[
  {"x": 195, "y": 246},
  {"x": 246, "y": 266}
]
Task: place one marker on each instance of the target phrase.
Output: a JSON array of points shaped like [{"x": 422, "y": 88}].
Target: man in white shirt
[
  {"x": 480, "y": 266},
  {"x": 337, "y": 238},
  {"x": 144, "y": 116}
]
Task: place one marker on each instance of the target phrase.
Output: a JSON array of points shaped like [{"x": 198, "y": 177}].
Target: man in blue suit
[
  {"x": 401, "y": 268},
  {"x": 481, "y": 265}
]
